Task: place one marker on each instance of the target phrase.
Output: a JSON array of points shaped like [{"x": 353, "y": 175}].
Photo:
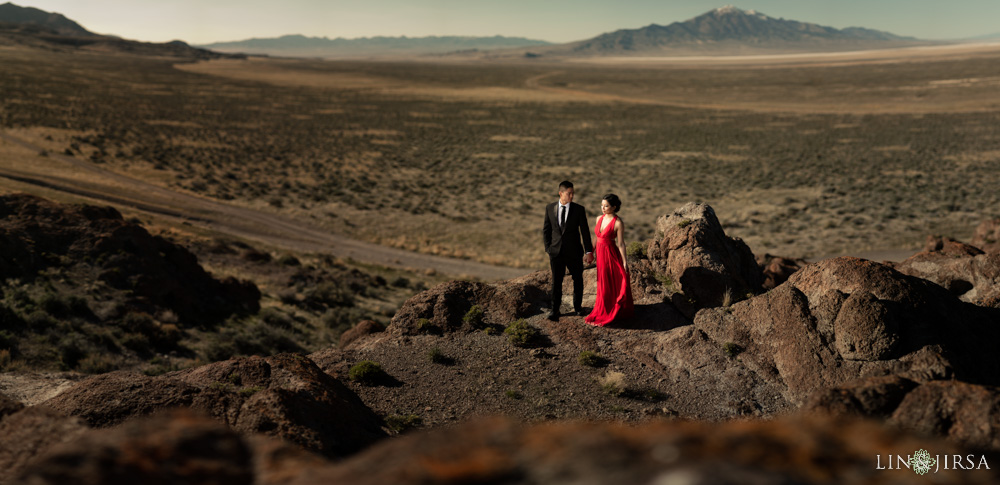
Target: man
[{"x": 565, "y": 225}]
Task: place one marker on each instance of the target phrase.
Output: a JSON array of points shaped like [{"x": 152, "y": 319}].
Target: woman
[{"x": 614, "y": 294}]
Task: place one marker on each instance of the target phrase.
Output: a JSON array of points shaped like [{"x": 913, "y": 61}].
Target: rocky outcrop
[
  {"x": 285, "y": 396},
  {"x": 778, "y": 269},
  {"x": 968, "y": 414},
  {"x": 176, "y": 446},
  {"x": 831, "y": 323},
  {"x": 964, "y": 270},
  {"x": 9, "y": 406},
  {"x": 36, "y": 234},
  {"x": 699, "y": 263},
  {"x": 787, "y": 450},
  {"x": 31, "y": 432},
  {"x": 987, "y": 236},
  {"x": 364, "y": 327},
  {"x": 444, "y": 307}
]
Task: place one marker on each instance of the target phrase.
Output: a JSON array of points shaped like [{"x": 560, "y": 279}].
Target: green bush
[
  {"x": 474, "y": 317},
  {"x": 522, "y": 334},
  {"x": 399, "y": 423},
  {"x": 436, "y": 356},
  {"x": 367, "y": 372},
  {"x": 590, "y": 358},
  {"x": 636, "y": 250},
  {"x": 513, "y": 394},
  {"x": 330, "y": 294}
]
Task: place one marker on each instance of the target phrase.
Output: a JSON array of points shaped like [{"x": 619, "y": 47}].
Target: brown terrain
[{"x": 222, "y": 323}]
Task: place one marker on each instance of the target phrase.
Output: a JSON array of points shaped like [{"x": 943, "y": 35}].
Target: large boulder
[
  {"x": 30, "y": 432},
  {"x": 285, "y": 396},
  {"x": 788, "y": 450},
  {"x": 987, "y": 236},
  {"x": 170, "y": 448},
  {"x": 443, "y": 308},
  {"x": 832, "y": 322},
  {"x": 964, "y": 270},
  {"x": 704, "y": 267},
  {"x": 968, "y": 414}
]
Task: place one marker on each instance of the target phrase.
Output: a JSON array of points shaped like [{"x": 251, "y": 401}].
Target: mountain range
[
  {"x": 302, "y": 46},
  {"x": 31, "y": 27},
  {"x": 729, "y": 29}
]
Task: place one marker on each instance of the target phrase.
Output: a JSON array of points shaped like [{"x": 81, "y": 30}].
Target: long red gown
[{"x": 614, "y": 294}]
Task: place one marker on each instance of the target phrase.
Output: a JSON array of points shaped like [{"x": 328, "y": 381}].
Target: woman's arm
[{"x": 620, "y": 229}]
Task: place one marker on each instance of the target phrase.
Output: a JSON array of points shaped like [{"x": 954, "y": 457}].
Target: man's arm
[
  {"x": 588, "y": 247},
  {"x": 547, "y": 230}
]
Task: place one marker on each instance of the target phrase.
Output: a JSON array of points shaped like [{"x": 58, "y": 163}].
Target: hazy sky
[{"x": 206, "y": 21}]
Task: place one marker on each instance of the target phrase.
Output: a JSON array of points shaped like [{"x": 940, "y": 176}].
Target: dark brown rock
[
  {"x": 702, "y": 263},
  {"x": 872, "y": 397},
  {"x": 445, "y": 305},
  {"x": 36, "y": 234},
  {"x": 171, "y": 448},
  {"x": 285, "y": 396},
  {"x": 964, "y": 413},
  {"x": 364, "y": 327},
  {"x": 782, "y": 451},
  {"x": 962, "y": 269},
  {"x": 987, "y": 236},
  {"x": 9, "y": 406},
  {"x": 31, "y": 432},
  {"x": 778, "y": 269},
  {"x": 831, "y": 323}
]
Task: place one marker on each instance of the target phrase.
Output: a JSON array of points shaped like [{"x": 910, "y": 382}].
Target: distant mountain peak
[{"x": 16, "y": 14}]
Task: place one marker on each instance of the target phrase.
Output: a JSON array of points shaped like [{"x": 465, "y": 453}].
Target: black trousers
[{"x": 559, "y": 266}]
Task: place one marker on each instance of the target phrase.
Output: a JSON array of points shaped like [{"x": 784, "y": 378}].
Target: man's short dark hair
[{"x": 565, "y": 184}]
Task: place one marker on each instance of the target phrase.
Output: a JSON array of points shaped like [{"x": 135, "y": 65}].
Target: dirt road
[{"x": 70, "y": 175}]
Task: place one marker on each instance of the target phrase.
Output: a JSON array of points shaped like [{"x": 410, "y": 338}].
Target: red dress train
[{"x": 614, "y": 294}]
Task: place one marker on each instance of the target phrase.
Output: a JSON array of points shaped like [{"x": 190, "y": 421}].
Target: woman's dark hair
[{"x": 614, "y": 201}]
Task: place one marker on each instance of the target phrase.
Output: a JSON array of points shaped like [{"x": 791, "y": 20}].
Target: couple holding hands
[{"x": 564, "y": 228}]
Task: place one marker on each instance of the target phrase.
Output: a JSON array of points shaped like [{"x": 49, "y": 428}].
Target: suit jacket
[{"x": 566, "y": 242}]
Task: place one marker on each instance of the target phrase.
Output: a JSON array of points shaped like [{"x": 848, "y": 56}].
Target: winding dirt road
[{"x": 70, "y": 175}]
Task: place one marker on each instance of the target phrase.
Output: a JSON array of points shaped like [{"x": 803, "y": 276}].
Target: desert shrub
[
  {"x": 522, "y": 334},
  {"x": 276, "y": 318},
  {"x": 732, "y": 349},
  {"x": 5, "y": 359},
  {"x": 613, "y": 383},
  {"x": 7, "y": 339},
  {"x": 343, "y": 318},
  {"x": 139, "y": 322},
  {"x": 330, "y": 294},
  {"x": 514, "y": 394},
  {"x": 260, "y": 339},
  {"x": 666, "y": 281},
  {"x": 71, "y": 349},
  {"x": 400, "y": 423},
  {"x": 425, "y": 326},
  {"x": 636, "y": 250},
  {"x": 401, "y": 282},
  {"x": 367, "y": 372},
  {"x": 54, "y": 305},
  {"x": 590, "y": 358},
  {"x": 219, "y": 348},
  {"x": 474, "y": 317},
  {"x": 436, "y": 356},
  {"x": 97, "y": 364},
  {"x": 288, "y": 260}
]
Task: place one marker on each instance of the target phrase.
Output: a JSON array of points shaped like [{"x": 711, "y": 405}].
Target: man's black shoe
[{"x": 554, "y": 316}]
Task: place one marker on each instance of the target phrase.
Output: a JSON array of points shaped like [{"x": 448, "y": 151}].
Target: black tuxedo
[{"x": 565, "y": 250}]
